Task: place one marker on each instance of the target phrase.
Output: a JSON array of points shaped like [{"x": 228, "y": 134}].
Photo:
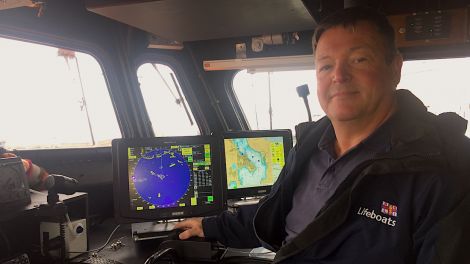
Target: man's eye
[
  {"x": 325, "y": 68},
  {"x": 359, "y": 59}
]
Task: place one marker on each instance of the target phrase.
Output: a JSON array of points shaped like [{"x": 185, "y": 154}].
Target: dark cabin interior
[{"x": 117, "y": 33}]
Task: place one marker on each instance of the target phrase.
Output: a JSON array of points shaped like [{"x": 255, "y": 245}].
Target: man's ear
[{"x": 397, "y": 64}]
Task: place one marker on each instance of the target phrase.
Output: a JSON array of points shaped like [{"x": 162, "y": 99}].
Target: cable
[
  {"x": 62, "y": 242},
  {"x": 229, "y": 250},
  {"x": 157, "y": 255},
  {"x": 242, "y": 259},
  {"x": 99, "y": 248},
  {"x": 223, "y": 254},
  {"x": 255, "y": 257}
]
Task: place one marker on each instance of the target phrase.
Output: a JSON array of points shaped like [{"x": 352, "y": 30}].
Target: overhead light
[
  {"x": 7, "y": 4},
  {"x": 156, "y": 42},
  {"x": 281, "y": 63}
]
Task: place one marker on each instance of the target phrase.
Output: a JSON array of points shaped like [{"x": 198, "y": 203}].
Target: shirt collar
[
  {"x": 328, "y": 138},
  {"x": 378, "y": 141}
]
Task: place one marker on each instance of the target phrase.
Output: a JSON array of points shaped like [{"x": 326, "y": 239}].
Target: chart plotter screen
[{"x": 253, "y": 162}]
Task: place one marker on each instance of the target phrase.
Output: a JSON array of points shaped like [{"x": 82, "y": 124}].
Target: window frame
[
  {"x": 234, "y": 99},
  {"x": 408, "y": 56},
  {"x": 183, "y": 80},
  {"x": 77, "y": 45}
]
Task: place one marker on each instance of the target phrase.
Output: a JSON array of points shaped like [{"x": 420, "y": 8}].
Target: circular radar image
[{"x": 162, "y": 177}]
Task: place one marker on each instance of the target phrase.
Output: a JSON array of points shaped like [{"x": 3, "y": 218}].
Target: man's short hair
[{"x": 350, "y": 17}]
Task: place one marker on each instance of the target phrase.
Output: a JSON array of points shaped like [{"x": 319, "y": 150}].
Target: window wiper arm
[
  {"x": 166, "y": 84},
  {"x": 177, "y": 100},
  {"x": 178, "y": 89}
]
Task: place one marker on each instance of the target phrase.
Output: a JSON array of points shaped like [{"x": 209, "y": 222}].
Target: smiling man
[
  {"x": 378, "y": 180},
  {"x": 357, "y": 74}
]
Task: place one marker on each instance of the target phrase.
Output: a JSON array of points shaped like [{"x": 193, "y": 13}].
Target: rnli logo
[
  {"x": 386, "y": 208},
  {"x": 389, "y": 209}
]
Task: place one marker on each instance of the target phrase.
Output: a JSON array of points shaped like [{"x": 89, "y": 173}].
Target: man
[{"x": 379, "y": 180}]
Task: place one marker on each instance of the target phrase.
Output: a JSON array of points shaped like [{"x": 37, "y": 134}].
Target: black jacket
[{"x": 424, "y": 178}]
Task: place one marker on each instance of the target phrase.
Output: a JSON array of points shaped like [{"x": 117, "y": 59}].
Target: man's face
[{"x": 354, "y": 80}]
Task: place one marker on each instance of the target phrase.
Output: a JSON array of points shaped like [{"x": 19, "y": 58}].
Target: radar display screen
[{"x": 170, "y": 177}]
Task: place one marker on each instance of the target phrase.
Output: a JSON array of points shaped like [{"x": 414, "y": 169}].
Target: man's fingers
[
  {"x": 181, "y": 225},
  {"x": 7, "y": 155},
  {"x": 191, "y": 227},
  {"x": 186, "y": 234}
]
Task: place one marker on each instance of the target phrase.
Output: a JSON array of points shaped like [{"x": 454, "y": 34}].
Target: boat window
[
  {"x": 443, "y": 84},
  {"x": 269, "y": 99},
  {"x": 53, "y": 98},
  {"x": 166, "y": 104}
]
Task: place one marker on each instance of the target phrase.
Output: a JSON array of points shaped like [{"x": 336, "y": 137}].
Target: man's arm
[
  {"x": 442, "y": 233},
  {"x": 36, "y": 175},
  {"x": 447, "y": 240},
  {"x": 454, "y": 236},
  {"x": 231, "y": 229}
]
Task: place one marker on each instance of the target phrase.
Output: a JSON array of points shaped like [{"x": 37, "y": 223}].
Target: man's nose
[{"x": 341, "y": 73}]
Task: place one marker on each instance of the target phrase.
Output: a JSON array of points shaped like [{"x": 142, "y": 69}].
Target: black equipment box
[{"x": 14, "y": 188}]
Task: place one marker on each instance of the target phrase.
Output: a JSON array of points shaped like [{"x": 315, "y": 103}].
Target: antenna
[{"x": 303, "y": 91}]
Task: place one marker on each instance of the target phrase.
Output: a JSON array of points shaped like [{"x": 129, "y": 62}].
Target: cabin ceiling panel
[{"x": 191, "y": 20}]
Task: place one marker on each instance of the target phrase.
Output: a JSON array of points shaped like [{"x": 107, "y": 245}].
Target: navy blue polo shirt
[{"x": 324, "y": 173}]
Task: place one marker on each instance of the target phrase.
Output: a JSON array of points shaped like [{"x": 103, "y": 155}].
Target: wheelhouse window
[
  {"x": 269, "y": 100},
  {"x": 443, "y": 85},
  {"x": 53, "y": 98},
  {"x": 166, "y": 104}
]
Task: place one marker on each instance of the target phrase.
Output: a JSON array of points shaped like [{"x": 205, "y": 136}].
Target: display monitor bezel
[
  {"x": 240, "y": 193},
  {"x": 123, "y": 212}
]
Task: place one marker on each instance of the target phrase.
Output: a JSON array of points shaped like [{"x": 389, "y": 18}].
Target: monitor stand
[
  {"x": 152, "y": 230},
  {"x": 192, "y": 249},
  {"x": 244, "y": 201}
]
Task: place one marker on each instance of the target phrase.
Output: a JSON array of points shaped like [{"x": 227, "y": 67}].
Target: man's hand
[
  {"x": 36, "y": 175},
  {"x": 192, "y": 227},
  {"x": 7, "y": 155}
]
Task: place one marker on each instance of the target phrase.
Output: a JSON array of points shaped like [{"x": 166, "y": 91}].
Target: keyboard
[
  {"x": 20, "y": 259},
  {"x": 100, "y": 260}
]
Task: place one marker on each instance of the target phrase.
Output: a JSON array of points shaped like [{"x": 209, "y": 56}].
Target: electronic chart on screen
[
  {"x": 165, "y": 178},
  {"x": 253, "y": 160}
]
